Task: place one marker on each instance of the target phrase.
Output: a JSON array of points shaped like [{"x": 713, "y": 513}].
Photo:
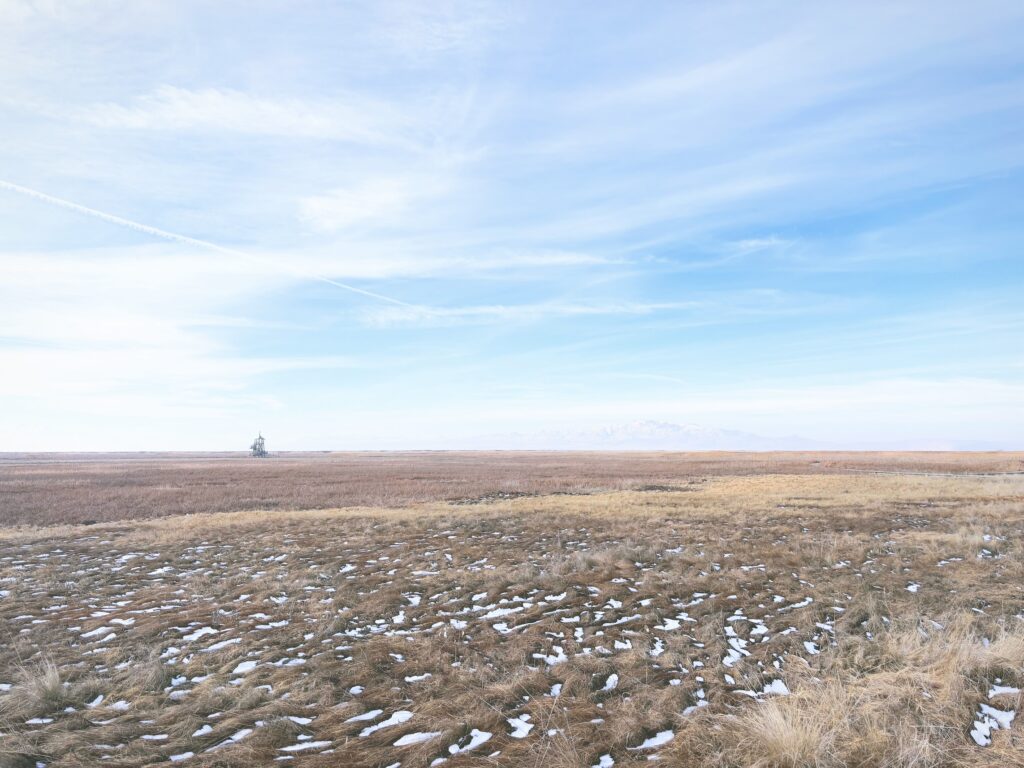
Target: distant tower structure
[{"x": 258, "y": 448}]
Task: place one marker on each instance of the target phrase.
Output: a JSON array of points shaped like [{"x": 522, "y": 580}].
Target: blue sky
[{"x": 382, "y": 224}]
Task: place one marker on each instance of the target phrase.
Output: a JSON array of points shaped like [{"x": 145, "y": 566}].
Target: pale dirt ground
[{"x": 759, "y": 620}]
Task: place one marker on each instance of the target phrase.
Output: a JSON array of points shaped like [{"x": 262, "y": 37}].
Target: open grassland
[
  {"x": 759, "y": 620},
  {"x": 47, "y": 489}
]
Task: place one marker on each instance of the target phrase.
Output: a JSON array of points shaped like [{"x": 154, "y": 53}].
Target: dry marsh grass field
[
  {"x": 802, "y": 619},
  {"x": 48, "y": 489}
]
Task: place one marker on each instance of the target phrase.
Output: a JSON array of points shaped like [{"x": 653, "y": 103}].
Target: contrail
[{"x": 185, "y": 239}]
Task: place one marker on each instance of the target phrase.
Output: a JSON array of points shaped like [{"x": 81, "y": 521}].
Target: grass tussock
[{"x": 38, "y": 690}]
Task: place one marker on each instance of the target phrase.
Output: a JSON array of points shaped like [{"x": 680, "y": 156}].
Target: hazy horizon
[
  {"x": 400, "y": 225},
  {"x": 647, "y": 436}
]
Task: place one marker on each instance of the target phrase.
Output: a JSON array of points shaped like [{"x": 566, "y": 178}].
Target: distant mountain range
[{"x": 646, "y": 436}]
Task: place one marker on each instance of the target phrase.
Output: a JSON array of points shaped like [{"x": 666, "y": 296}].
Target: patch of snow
[
  {"x": 520, "y": 726},
  {"x": 305, "y": 746},
  {"x": 476, "y": 739},
  {"x": 399, "y": 717},
  {"x": 417, "y": 738},
  {"x": 659, "y": 739}
]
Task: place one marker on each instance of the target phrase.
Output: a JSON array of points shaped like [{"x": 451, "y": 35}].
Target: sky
[{"x": 409, "y": 225}]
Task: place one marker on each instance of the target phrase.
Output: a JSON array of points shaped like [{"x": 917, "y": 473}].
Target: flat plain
[
  {"x": 41, "y": 489},
  {"x": 513, "y": 610}
]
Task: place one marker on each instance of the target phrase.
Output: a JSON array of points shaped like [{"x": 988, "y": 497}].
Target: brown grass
[
  {"x": 48, "y": 489},
  {"x": 575, "y": 588}
]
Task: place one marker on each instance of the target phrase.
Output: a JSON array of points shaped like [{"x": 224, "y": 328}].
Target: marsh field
[{"x": 573, "y": 610}]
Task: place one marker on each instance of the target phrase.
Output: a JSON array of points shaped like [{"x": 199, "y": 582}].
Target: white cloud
[
  {"x": 106, "y": 321},
  {"x": 423, "y": 31},
  {"x": 704, "y": 309},
  {"x": 501, "y": 313},
  {"x": 382, "y": 259},
  {"x": 349, "y": 117},
  {"x": 381, "y": 201}
]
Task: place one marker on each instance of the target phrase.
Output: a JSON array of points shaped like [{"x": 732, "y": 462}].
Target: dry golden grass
[
  {"x": 47, "y": 489},
  {"x": 889, "y": 608}
]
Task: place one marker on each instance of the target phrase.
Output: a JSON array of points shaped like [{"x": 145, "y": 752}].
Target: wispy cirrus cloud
[
  {"x": 348, "y": 117},
  {"x": 701, "y": 309},
  {"x": 525, "y": 206},
  {"x": 422, "y": 32},
  {"x": 422, "y": 316},
  {"x": 380, "y": 201}
]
